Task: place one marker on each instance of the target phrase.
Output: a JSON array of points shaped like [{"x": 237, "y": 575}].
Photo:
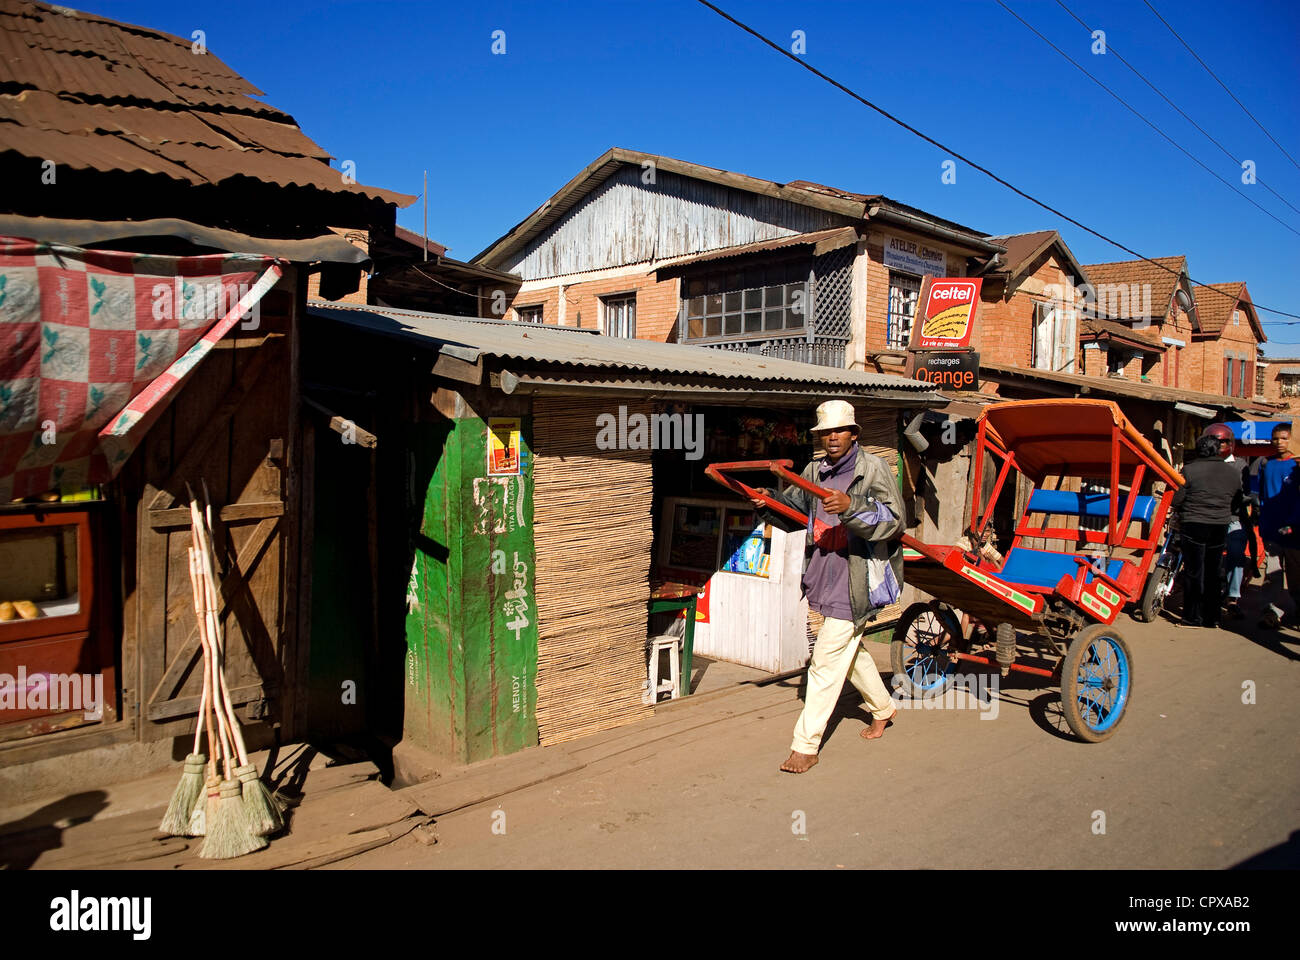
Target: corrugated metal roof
[
  {"x": 178, "y": 114},
  {"x": 571, "y": 347},
  {"x": 822, "y": 241},
  {"x": 1117, "y": 387}
]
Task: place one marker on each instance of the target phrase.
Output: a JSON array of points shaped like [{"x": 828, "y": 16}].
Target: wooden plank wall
[
  {"x": 626, "y": 220},
  {"x": 234, "y": 426}
]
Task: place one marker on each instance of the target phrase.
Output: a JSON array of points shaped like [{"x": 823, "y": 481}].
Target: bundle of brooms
[{"x": 231, "y": 807}]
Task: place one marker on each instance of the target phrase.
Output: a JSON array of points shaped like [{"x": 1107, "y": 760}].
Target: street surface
[{"x": 1193, "y": 778}]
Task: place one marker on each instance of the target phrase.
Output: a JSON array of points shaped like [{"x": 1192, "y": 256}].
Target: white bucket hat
[{"x": 834, "y": 415}]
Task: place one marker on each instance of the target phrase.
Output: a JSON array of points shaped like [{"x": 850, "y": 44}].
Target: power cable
[
  {"x": 1133, "y": 110},
  {"x": 1221, "y": 83},
  {"x": 960, "y": 156},
  {"x": 1110, "y": 50}
]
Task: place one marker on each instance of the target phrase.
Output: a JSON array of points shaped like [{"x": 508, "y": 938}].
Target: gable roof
[
  {"x": 1129, "y": 272},
  {"x": 1097, "y": 329},
  {"x": 857, "y": 206},
  {"x": 1215, "y": 303},
  {"x": 1024, "y": 249},
  {"x": 90, "y": 93}
]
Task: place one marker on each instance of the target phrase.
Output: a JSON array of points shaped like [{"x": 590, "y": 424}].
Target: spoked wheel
[
  {"x": 925, "y": 639},
  {"x": 1159, "y": 585},
  {"x": 1096, "y": 678}
]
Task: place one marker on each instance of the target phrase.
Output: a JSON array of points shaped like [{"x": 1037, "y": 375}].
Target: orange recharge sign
[{"x": 947, "y": 315}]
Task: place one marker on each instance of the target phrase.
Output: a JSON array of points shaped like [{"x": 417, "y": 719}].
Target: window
[
  {"x": 1116, "y": 360},
  {"x": 620, "y": 316},
  {"x": 1290, "y": 384},
  {"x": 530, "y": 314},
  {"x": 1236, "y": 318},
  {"x": 758, "y": 300},
  {"x": 904, "y": 292},
  {"x": 1054, "y": 338}
]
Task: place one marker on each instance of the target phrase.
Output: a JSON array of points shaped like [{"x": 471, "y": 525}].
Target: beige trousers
[{"x": 838, "y": 655}]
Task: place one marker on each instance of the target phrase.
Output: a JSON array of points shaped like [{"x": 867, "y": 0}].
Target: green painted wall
[{"x": 471, "y": 623}]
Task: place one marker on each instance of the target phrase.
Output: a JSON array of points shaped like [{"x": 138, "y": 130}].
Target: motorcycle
[{"x": 1163, "y": 577}]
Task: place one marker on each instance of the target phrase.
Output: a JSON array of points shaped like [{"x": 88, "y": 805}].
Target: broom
[
  {"x": 229, "y": 830},
  {"x": 261, "y": 810},
  {"x": 184, "y": 816}
]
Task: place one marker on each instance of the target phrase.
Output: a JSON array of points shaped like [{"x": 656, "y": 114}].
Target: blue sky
[{"x": 401, "y": 87}]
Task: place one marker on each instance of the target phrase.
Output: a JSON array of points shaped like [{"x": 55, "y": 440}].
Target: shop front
[{"x": 540, "y": 491}]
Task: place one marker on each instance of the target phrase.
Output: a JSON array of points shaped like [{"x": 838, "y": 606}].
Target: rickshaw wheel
[
  {"x": 1096, "y": 679},
  {"x": 1153, "y": 596},
  {"x": 924, "y": 640}
]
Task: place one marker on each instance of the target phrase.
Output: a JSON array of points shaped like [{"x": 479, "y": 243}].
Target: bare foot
[
  {"x": 877, "y": 728},
  {"x": 799, "y": 762}
]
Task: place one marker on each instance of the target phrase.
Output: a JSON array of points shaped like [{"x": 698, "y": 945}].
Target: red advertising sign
[{"x": 946, "y": 314}]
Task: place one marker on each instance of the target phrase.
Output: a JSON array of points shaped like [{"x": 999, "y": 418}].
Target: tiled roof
[
  {"x": 88, "y": 92},
  {"x": 1129, "y": 272},
  {"x": 1025, "y": 248},
  {"x": 1110, "y": 328},
  {"x": 1215, "y": 303}
]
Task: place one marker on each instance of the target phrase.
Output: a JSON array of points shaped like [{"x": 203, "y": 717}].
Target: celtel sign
[{"x": 946, "y": 316}]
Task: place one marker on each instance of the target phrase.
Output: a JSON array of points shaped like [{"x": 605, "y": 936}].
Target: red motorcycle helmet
[{"x": 1221, "y": 433}]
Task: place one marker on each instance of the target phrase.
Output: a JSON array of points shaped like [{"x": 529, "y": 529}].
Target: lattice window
[{"x": 833, "y": 292}]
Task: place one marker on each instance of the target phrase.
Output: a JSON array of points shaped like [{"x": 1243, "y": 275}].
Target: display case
[
  {"x": 701, "y": 537},
  {"x": 51, "y": 623}
]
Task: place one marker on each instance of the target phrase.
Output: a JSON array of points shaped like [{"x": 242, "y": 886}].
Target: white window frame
[
  {"x": 614, "y": 309},
  {"x": 902, "y": 298},
  {"x": 529, "y": 308},
  {"x": 1059, "y": 350}
]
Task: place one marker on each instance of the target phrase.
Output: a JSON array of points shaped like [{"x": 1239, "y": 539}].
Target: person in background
[
  {"x": 1206, "y": 504},
  {"x": 853, "y": 567},
  {"x": 1241, "y": 531},
  {"x": 1279, "y": 518}
]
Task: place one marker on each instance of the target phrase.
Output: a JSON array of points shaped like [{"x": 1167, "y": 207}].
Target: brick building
[
  {"x": 1225, "y": 349},
  {"x": 1277, "y": 380},
  {"x": 1026, "y": 315},
  {"x": 644, "y": 246},
  {"x": 412, "y": 273},
  {"x": 1155, "y": 301}
]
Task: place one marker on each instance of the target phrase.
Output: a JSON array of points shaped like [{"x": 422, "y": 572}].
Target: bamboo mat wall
[{"x": 592, "y": 528}]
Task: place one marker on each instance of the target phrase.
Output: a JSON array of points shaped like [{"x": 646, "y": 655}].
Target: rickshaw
[{"x": 1076, "y": 558}]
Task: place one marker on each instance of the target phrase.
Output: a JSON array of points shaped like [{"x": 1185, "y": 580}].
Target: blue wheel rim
[
  {"x": 927, "y": 664},
  {"x": 1102, "y": 684}
]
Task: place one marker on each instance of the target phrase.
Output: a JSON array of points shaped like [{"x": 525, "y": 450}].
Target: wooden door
[{"x": 232, "y": 427}]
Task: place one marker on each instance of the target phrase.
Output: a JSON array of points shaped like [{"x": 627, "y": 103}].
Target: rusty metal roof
[
  {"x": 858, "y": 206},
  {"x": 1074, "y": 384},
  {"x": 821, "y": 241},
  {"x": 92, "y": 93},
  {"x": 469, "y": 338}
]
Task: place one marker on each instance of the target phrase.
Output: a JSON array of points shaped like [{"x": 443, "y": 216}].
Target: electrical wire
[
  {"x": 1133, "y": 110},
  {"x": 1111, "y": 51},
  {"x": 1221, "y": 83},
  {"x": 960, "y": 156}
]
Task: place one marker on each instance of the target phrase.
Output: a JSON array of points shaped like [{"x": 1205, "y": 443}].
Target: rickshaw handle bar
[{"x": 780, "y": 468}]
